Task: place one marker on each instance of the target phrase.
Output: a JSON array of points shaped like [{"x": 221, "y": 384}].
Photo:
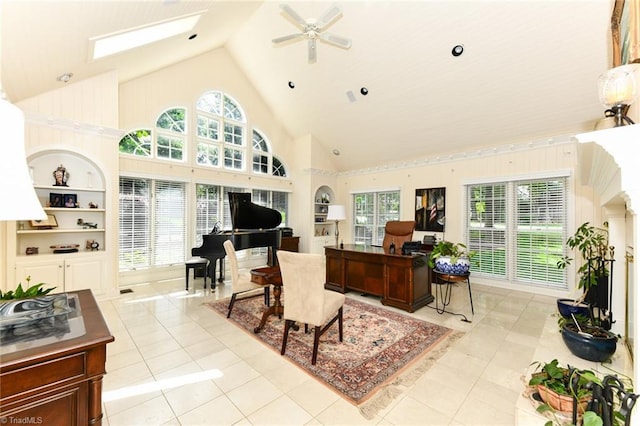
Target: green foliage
[
  {"x": 31, "y": 291},
  {"x": 593, "y": 245},
  {"x": 453, "y": 250},
  {"x": 559, "y": 379}
]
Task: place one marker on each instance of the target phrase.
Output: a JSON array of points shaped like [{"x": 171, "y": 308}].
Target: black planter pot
[
  {"x": 566, "y": 307},
  {"x": 598, "y": 347}
]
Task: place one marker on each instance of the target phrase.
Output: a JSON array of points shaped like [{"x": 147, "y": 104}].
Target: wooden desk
[
  {"x": 58, "y": 383},
  {"x": 269, "y": 275},
  {"x": 402, "y": 281}
]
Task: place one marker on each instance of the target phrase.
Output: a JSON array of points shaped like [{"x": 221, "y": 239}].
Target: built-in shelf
[
  {"x": 59, "y": 231},
  {"x": 68, "y": 188}
]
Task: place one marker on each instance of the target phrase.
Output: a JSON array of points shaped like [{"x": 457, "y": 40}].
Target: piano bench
[{"x": 197, "y": 263}]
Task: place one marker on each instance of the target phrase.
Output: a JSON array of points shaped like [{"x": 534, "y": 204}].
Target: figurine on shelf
[
  {"x": 61, "y": 176},
  {"x": 86, "y": 225},
  {"x": 93, "y": 205}
]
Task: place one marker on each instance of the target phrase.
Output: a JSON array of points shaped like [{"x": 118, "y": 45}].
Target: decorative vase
[
  {"x": 444, "y": 264},
  {"x": 593, "y": 344}
]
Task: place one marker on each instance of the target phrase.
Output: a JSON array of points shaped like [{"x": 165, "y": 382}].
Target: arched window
[
  {"x": 262, "y": 156},
  {"x": 277, "y": 169},
  {"x": 172, "y": 130},
  {"x": 136, "y": 142},
  {"x": 261, "y": 153},
  {"x": 220, "y": 131}
]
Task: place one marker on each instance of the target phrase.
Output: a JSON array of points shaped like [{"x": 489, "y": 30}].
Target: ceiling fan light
[{"x": 617, "y": 86}]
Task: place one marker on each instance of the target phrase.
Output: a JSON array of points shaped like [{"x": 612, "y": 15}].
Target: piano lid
[{"x": 247, "y": 215}]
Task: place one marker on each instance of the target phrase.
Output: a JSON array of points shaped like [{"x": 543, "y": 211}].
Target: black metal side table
[{"x": 443, "y": 295}]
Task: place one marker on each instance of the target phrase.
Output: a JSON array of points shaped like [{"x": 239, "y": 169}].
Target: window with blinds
[
  {"x": 170, "y": 223},
  {"x": 207, "y": 210},
  {"x": 518, "y": 229},
  {"x": 135, "y": 224},
  {"x": 152, "y": 223}
]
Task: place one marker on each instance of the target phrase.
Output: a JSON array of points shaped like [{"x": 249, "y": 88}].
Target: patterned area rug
[{"x": 377, "y": 346}]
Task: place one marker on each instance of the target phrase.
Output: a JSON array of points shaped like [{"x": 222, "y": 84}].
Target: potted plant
[
  {"x": 593, "y": 245},
  {"x": 451, "y": 258},
  {"x": 587, "y": 340},
  {"x": 31, "y": 303},
  {"x": 560, "y": 387},
  {"x": 569, "y": 395}
]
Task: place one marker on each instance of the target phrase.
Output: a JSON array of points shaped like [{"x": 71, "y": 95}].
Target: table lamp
[
  {"x": 336, "y": 213},
  {"x": 20, "y": 201}
]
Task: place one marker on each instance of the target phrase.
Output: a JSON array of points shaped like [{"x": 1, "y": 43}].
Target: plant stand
[{"x": 443, "y": 282}]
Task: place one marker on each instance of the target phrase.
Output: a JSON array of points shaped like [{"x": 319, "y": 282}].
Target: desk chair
[
  {"x": 306, "y": 300},
  {"x": 241, "y": 283},
  {"x": 398, "y": 232}
]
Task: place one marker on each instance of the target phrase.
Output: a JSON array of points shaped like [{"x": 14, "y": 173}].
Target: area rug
[{"x": 378, "y": 345}]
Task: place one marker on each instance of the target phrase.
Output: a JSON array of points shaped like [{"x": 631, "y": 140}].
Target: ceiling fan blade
[
  {"x": 293, "y": 15},
  {"x": 287, "y": 38},
  {"x": 329, "y": 17},
  {"x": 336, "y": 40},
  {"x": 312, "y": 50}
]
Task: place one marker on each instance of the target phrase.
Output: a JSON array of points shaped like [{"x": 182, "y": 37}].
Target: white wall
[{"x": 507, "y": 162}]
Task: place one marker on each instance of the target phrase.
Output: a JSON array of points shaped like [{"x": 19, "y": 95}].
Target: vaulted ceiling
[{"x": 528, "y": 71}]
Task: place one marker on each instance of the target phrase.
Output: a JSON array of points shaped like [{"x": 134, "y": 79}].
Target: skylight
[{"x": 110, "y": 44}]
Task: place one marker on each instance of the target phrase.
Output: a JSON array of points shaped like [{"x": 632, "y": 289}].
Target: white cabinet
[
  {"x": 75, "y": 248},
  {"x": 65, "y": 272}
]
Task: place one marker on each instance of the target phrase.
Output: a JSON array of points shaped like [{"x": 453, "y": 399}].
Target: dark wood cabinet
[
  {"x": 286, "y": 244},
  {"x": 58, "y": 383},
  {"x": 402, "y": 281}
]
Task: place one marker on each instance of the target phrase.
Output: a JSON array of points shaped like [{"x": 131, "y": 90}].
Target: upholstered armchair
[
  {"x": 306, "y": 300},
  {"x": 241, "y": 283},
  {"x": 398, "y": 231}
]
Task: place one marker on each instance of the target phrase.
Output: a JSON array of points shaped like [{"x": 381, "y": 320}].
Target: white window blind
[
  {"x": 170, "y": 223},
  {"x": 135, "y": 224},
  {"x": 207, "y": 210},
  {"x": 518, "y": 229}
]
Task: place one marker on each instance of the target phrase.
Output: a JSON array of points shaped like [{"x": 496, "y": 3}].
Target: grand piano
[{"x": 252, "y": 226}]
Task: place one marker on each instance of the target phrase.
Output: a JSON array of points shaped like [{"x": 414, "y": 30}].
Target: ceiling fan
[{"x": 313, "y": 30}]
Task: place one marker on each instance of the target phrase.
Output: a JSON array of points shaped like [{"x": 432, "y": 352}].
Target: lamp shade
[
  {"x": 336, "y": 212},
  {"x": 20, "y": 201},
  {"x": 618, "y": 86}
]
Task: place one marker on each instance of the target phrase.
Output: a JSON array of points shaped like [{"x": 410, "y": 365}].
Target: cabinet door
[
  {"x": 84, "y": 273},
  {"x": 50, "y": 272}
]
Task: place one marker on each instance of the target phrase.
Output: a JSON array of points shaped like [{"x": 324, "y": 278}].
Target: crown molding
[{"x": 71, "y": 125}]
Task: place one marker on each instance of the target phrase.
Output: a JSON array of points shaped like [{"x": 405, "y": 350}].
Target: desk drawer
[{"x": 43, "y": 374}]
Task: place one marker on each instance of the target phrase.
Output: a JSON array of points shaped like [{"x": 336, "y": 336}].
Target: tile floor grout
[{"x": 165, "y": 334}]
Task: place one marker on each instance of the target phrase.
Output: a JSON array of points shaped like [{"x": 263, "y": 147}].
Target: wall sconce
[
  {"x": 20, "y": 201},
  {"x": 617, "y": 90},
  {"x": 336, "y": 213}
]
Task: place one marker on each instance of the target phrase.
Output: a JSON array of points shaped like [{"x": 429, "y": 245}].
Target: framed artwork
[
  {"x": 55, "y": 199},
  {"x": 49, "y": 222},
  {"x": 70, "y": 200},
  {"x": 430, "y": 209}
]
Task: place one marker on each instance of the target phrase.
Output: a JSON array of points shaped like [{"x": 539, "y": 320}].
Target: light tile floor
[{"x": 176, "y": 362}]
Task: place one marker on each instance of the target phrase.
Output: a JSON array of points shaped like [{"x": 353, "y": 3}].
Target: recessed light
[
  {"x": 364, "y": 91},
  {"x": 192, "y": 36},
  {"x": 64, "y": 78},
  {"x": 336, "y": 152},
  {"x": 457, "y": 50},
  {"x": 291, "y": 85}
]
